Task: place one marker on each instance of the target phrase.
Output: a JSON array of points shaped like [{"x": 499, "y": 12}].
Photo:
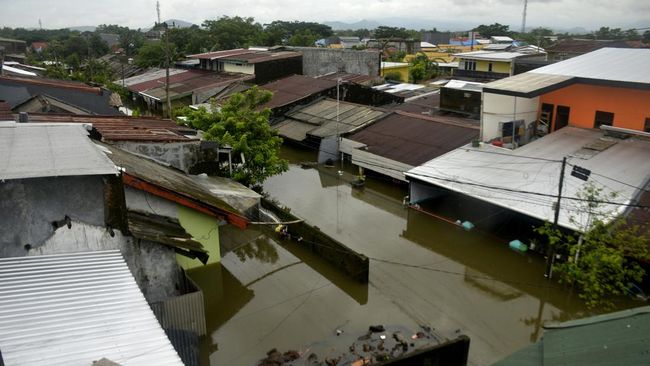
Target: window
[
  {"x": 470, "y": 65},
  {"x": 490, "y": 67},
  {"x": 603, "y": 118},
  {"x": 646, "y": 126}
]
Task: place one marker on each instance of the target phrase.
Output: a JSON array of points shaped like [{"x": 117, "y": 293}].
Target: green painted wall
[{"x": 204, "y": 229}]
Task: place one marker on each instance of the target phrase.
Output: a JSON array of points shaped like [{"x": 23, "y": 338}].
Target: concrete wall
[
  {"x": 240, "y": 68},
  {"x": 631, "y": 107},
  {"x": 321, "y": 61},
  {"x": 503, "y": 108},
  {"x": 29, "y": 206},
  {"x": 180, "y": 155},
  {"x": 153, "y": 265}
]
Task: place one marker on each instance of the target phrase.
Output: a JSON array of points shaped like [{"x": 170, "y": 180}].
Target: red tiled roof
[
  {"x": 413, "y": 139},
  {"x": 123, "y": 128}
]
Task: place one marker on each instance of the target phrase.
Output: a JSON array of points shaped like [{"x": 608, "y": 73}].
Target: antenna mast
[
  {"x": 158, "y": 10},
  {"x": 523, "y": 21}
]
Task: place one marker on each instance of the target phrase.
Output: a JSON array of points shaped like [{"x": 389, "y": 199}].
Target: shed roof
[
  {"x": 294, "y": 88},
  {"x": 347, "y": 77},
  {"x": 124, "y": 128},
  {"x": 73, "y": 309},
  {"x": 414, "y": 139},
  {"x": 498, "y": 176},
  {"x": 250, "y": 56},
  {"x": 618, "y": 338},
  {"x": 580, "y": 46},
  {"x": 319, "y": 119},
  {"x": 182, "y": 83},
  {"x": 49, "y": 150},
  {"x": 201, "y": 193}
]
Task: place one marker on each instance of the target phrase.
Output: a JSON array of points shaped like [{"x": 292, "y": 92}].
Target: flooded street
[{"x": 423, "y": 271}]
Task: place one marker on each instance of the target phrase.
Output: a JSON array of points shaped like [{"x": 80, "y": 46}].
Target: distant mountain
[
  {"x": 362, "y": 24},
  {"x": 83, "y": 28},
  {"x": 409, "y": 23}
]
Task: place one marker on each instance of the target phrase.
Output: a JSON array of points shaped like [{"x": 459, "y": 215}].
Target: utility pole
[
  {"x": 167, "y": 61},
  {"x": 551, "y": 250},
  {"x": 523, "y": 20}
]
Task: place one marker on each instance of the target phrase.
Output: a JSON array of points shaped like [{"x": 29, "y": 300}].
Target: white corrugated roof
[
  {"x": 490, "y": 55},
  {"x": 73, "y": 309},
  {"x": 31, "y": 150},
  {"x": 427, "y": 45},
  {"x": 464, "y": 85},
  {"x": 626, "y": 161},
  {"x": 386, "y": 64},
  {"x": 615, "y": 64}
]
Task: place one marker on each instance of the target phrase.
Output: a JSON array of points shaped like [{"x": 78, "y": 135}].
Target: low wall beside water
[{"x": 354, "y": 264}]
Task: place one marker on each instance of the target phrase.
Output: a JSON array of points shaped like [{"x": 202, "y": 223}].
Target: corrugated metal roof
[
  {"x": 124, "y": 128},
  {"x": 251, "y": 56},
  {"x": 627, "y": 161},
  {"x": 413, "y": 139},
  {"x": 528, "y": 84},
  {"x": 49, "y": 150},
  {"x": 72, "y": 309},
  {"x": 294, "y": 88},
  {"x": 322, "y": 115},
  {"x": 490, "y": 56},
  {"x": 587, "y": 45},
  {"x": 205, "y": 191},
  {"x": 619, "y": 338},
  {"x": 612, "y": 64},
  {"x": 353, "y": 78}
]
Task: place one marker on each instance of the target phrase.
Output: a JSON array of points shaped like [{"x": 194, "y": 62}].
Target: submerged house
[
  {"x": 595, "y": 108},
  {"x": 318, "y": 125},
  {"x": 401, "y": 141},
  {"x": 605, "y": 87},
  {"x": 490, "y": 65}
]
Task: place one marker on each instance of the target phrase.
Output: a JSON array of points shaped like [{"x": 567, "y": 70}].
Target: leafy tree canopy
[
  {"x": 233, "y": 32},
  {"x": 495, "y": 29},
  {"x": 603, "y": 263},
  {"x": 242, "y": 124},
  {"x": 391, "y": 32}
]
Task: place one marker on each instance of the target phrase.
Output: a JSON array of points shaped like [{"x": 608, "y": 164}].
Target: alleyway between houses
[{"x": 268, "y": 294}]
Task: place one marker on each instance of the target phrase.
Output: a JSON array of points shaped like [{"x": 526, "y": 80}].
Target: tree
[
  {"x": 391, "y": 32},
  {"x": 233, "y": 32},
  {"x": 241, "y": 124},
  {"x": 602, "y": 261},
  {"x": 152, "y": 54},
  {"x": 495, "y": 29},
  {"x": 646, "y": 36},
  {"x": 303, "y": 38},
  {"x": 418, "y": 72}
]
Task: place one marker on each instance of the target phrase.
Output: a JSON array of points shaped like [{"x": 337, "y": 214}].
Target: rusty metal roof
[
  {"x": 351, "y": 78},
  {"x": 5, "y": 111},
  {"x": 246, "y": 55},
  {"x": 186, "y": 82},
  {"x": 124, "y": 128},
  {"x": 294, "y": 88},
  {"x": 580, "y": 46},
  {"x": 413, "y": 139}
]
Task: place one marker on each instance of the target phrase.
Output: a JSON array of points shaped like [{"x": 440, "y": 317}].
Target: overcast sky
[{"x": 443, "y": 14}]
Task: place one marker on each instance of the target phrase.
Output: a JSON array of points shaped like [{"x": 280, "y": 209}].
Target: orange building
[{"x": 610, "y": 86}]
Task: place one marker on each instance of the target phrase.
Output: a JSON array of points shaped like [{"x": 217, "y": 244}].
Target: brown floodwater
[{"x": 267, "y": 294}]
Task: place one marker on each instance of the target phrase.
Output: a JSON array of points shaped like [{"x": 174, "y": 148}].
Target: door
[{"x": 562, "y": 117}]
